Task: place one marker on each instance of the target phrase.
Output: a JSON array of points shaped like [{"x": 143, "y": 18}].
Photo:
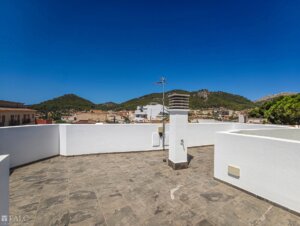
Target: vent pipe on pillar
[{"x": 178, "y": 111}]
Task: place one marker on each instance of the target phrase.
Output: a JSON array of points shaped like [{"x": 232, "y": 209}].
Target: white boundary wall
[
  {"x": 26, "y": 144},
  {"x": 4, "y": 192},
  {"x": 290, "y": 134},
  {"x": 107, "y": 138},
  {"x": 269, "y": 167},
  {"x": 201, "y": 134}
]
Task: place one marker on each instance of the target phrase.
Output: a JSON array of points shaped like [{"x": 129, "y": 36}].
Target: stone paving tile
[{"x": 133, "y": 189}]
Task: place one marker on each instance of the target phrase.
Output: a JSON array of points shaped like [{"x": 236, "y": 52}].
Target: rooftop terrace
[{"x": 134, "y": 189}]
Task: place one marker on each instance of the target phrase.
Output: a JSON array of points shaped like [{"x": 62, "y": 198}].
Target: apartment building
[
  {"x": 14, "y": 113},
  {"x": 149, "y": 112}
]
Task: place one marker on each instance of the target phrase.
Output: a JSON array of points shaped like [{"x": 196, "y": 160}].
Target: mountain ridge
[
  {"x": 65, "y": 102},
  {"x": 273, "y": 96},
  {"x": 202, "y": 98}
]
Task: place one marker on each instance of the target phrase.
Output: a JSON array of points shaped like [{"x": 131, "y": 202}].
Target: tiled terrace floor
[{"x": 133, "y": 189}]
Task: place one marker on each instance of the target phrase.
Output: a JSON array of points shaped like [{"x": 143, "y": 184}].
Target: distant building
[
  {"x": 206, "y": 121},
  {"x": 117, "y": 117},
  {"x": 243, "y": 118},
  {"x": 14, "y": 113},
  {"x": 43, "y": 121},
  {"x": 98, "y": 116},
  {"x": 256, "y": 120},
  {"x": 149, "y": 112},
  {"x": 93, "y": 115},
  {"x": 85, "y": 122}
]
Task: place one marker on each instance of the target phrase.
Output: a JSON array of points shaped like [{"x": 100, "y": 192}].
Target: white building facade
[{"x": 149, "y": 112}]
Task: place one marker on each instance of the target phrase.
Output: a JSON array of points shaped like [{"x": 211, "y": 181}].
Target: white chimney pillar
[{"x": 178, "y": 110}]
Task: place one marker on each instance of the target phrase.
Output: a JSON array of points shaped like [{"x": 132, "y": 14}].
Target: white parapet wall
[
  {"x": 107, "y": 138},
  {"x": 262, "y": 162},
  {"x": 247, "y": 126},
  {"x": 200, "y": 134},
  {"x": 26, "y": 144},
  {"x": 4, "y": 192},
  {"x": 282, "y": 133}
]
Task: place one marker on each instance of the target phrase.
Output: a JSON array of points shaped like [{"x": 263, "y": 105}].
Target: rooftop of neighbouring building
[
  {"x": 11, "y": 104},
  {"x": 134, "y": 189},
  {"x": 17, "y": 109}
]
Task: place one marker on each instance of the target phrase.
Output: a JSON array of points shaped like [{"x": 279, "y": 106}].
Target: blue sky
[{"x": 116, "y": 50}]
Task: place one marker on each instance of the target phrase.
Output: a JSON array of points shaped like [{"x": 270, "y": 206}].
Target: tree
[
  {"x": 285, "y": 111},
  {"x": 256, "y": 113}
]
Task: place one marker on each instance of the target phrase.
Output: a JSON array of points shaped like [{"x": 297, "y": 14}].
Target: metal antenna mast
[{"x": 162, "y": 82}]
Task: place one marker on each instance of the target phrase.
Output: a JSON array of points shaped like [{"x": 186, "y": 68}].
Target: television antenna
[{"x": 163, "y": 82}]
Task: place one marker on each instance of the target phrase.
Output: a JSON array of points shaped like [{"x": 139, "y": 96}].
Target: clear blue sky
[{"x": 116, "y": 50}]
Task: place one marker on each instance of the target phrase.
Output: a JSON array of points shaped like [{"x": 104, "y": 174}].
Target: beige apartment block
[{"x": 13, "y": 113}]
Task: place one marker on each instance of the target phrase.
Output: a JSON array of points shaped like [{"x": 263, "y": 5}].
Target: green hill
[
  {"x": 107, "y": 106},
  {"x": 198, "y": 99},
  {"x": 65, "y": 103},
  {"x": 207, "y": 99},
  {"x": 269, "y": 98}
]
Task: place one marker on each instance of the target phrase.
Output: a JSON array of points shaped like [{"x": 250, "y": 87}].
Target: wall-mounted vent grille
[{"x": 234, "y": 171}]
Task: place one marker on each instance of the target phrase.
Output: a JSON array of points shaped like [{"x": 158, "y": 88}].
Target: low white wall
[
  {"x": 290, "y": 134},
  {"x": 269, "y": 167},
  {"x": 106, "y": 138},
  {"x": 200, "y": 134},
  {"x": 4, "y": 193},
  {"x": 26, "y": 144},
  {"x": 247, "y": 126}
]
